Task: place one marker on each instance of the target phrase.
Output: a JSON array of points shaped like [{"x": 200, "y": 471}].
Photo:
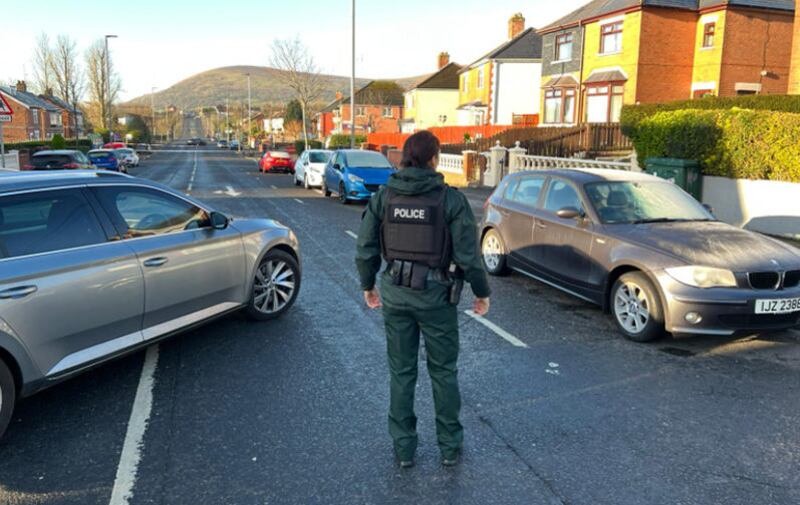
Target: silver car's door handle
[
  {"x": 18, "y": 292},
  {"x": 155, "y": 262}
]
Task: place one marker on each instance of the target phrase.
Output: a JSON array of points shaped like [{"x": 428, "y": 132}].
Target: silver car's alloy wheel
[
  {"x": 306, "y": 185},
  {"x": 632, "y": 307},
  {"x": 492, "y": 251},
  {"x": 274, "y": 286}
]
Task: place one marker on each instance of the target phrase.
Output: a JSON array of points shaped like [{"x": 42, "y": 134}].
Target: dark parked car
[
  {"x": 96, "y": 264},
  {"x": 643, "y": 249},
  {"x": 58, "y": 160}
]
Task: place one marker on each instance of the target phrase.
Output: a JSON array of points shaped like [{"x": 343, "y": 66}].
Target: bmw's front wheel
[
  {"x": 275, "y": 286},
  {"x": 636, "y": 307},
  {"x": 8, "y": 393}
]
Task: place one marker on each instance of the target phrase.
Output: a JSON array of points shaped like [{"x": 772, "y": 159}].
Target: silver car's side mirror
[
  {"x": 569, "y": 213},
  {"x": 219, "y": 221}
]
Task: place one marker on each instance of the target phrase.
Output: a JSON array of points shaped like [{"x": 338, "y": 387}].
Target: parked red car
[
  {"x": 276, "y": 161},
  {"x": 114, "y": 145}
]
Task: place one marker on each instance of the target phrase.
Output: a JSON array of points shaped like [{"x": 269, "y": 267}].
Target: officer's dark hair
[{"x": 419, "y": 150}]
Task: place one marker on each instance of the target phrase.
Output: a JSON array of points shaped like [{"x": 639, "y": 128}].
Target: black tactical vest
[{"x": 414, "y": 228}]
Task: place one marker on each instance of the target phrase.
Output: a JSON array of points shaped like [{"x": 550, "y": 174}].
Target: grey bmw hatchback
[
  {"x": 644, "y": 250},
  {"x": 96, "y": 264}
]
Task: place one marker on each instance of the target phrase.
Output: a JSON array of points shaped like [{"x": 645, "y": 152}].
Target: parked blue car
[
  {"x": 106, "y": 159},
  {"x": 355, "y": 175}
]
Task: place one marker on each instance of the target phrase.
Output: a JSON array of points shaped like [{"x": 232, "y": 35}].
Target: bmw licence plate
[{"x": 784, "y": 306}]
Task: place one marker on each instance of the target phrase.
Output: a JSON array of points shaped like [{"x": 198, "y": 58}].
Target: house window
[
  {"x": 387, "y": 112},
  {"x": 559, "y": 105},
  {"x": 409, "y": 101},
  {"x": 611, "y": 38},
  {"x": 35, "y": 114},
  {"x": 604, "y": 103},
  {"x": 564, "y": 47},
  {"x": 55, "y": 120},
  {"x": 708, "y": 34},
  {"x": 360, "y": 111},
  {"x": 480, "y": 79},
  {"x": 464, "y": 83}
]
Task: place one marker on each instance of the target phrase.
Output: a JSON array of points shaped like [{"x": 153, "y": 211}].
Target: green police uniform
[{"x": 408, "y": 311}]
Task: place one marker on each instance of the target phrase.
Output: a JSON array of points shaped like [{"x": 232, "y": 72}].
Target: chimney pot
[
  {"x": 444, "y": 60},
  {"x": 21, "y": 86},
  {"x": 516, "y": 25},
  {"x": 339, "y": 95}
]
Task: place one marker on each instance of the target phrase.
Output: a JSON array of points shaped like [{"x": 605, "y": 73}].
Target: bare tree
[
  {"x": 301, "y": 73},
  {"x": 43, "y": 64},
  {"x": 66, "y": 70},
  {"x": 103, "y": 83}
]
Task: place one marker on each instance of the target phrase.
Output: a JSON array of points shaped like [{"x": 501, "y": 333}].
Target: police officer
[{"x": 427, "y": 234}]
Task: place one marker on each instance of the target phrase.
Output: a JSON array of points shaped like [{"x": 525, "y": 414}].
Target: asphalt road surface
[{"x": 557, "y": 407}]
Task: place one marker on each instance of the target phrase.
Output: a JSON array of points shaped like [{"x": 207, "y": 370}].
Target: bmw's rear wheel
[
  {"x": 493, "y": 252},
  {"x": 637, "y": 308},
  {"x": 275, "y": 286},
  {"x": 343, "y": 194},
  {"x": 8, "y": 394}
]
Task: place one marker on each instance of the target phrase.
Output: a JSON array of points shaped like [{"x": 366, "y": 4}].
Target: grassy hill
[{"x": 212, "y": 87}]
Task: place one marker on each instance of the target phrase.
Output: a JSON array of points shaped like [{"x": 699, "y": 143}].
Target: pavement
[{"x": 557, "y": 407}]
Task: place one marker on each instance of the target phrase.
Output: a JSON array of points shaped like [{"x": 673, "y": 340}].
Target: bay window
[
  {"x": 559, "y": 105},
  {"x": 604, "y": 103},
  {"x": 708, "y": 34}
]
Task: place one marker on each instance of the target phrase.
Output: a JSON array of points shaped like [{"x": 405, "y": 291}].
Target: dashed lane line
[
  {"x": 498, "y": 330},
  {"x": 351, "y": 234},
  {"x": 298, "y": 201},
  {"x": 137, "y": 425},
  {"x": 194, "y": 171},
  {"x": 273, "y": 186}
]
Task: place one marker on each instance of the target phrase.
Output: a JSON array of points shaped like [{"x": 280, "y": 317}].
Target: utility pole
[
  {"x": 249, "y": 111},
  {"x": 108, "y": 87},
  {"x": 227, "y": 120},
  {"x": 353, "y": 81},
  {"x": 153, "y": 112}
]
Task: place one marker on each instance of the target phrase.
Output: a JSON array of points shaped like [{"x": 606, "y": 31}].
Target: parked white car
[
  {"x": 128, "y": 156},
  {"x": 310, "y": 166}
]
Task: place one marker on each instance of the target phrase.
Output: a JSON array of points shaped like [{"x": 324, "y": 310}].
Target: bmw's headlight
[
  {"x": 355, "y": 178},
  {"x": 703, "y": 277}
]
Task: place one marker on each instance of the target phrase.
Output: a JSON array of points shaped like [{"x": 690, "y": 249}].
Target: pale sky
[{"x": 164, "y": 41}]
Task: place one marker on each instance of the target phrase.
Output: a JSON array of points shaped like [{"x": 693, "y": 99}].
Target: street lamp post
[
  {"x": 108, "y": 86},
  {"x": 153, "y": 112},
  {"x": 249, "y": 112},
  {"x": 353, "y": 80}
]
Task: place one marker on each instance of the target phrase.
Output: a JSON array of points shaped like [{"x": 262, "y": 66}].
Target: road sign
[
  {"x": 5, "y": 109},
  {"x": 5, "y": 118}
]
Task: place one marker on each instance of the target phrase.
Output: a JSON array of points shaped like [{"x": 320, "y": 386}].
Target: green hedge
[
  {"x": 632, "y": 115},
  {"x": 339, "y": 141},
  {"x": 300, "y": 145},
  {"x": 735, "y": 143},
  {"x": 34, "y": 144}
]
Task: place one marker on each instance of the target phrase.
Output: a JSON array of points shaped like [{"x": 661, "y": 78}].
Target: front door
[
  {"x": 191, "y": 271},
  {"x": 69, "y": 294},
  {"x": 564, "y": 245}
]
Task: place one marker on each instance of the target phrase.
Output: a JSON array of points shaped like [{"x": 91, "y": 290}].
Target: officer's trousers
[{"x": 440, "y": 330}]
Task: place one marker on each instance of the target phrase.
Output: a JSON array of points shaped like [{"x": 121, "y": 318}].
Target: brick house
[
  {"x": 379, "y": 109},
  {"x": 606, "y": 54},
  {"x": 496, "y": 88},
  {"x": 33, "y": 119},
  {"x": 794, "y": 75},
  {"x": 72, "y": 116},
  {"x": 324, "y": 119}
]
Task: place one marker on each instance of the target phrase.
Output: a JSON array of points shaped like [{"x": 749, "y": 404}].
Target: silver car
[{"x": 94, "y": 265}]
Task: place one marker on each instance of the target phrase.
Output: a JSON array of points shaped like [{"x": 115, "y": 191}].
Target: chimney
[
  {"x": 339, "y": 95},
  {"x": 444, "y": 60},
  {"x": 516, "y": 25},
  {"x": 21, "y": 87},
  {"x": 48, "y": 92}
]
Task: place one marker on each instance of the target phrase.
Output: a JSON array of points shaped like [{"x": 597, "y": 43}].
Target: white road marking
[
  {"x": 137, "y": 426},
  {"x": 299, "y": 201},
  {"x": 273, "y": 186},
  {"x": 194, "y": 171},
  {"x": 351, "y": 234},
  {"x": 230, "y": 192},
  {"x": 500, "y": 331}
]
